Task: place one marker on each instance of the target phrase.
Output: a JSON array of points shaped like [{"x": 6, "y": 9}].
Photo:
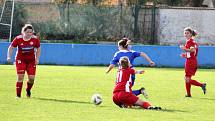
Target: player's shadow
[
  {"x": 172, "y": 110},
  {"x": 62, "y": 101},
  {"x": 205, "y": 98},
  {"x": 162, "y": 110}
]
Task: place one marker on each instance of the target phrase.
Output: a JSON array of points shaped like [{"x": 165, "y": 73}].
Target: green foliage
[
  {"x": 19, "y": 20},
  {"x": 63, "y": 93}
]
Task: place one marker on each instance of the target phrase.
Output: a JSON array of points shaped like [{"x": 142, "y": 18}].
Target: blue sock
[{"x": 136, "y": 92}]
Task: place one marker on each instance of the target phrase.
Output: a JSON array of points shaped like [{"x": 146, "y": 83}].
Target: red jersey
[
  {"x": 191, "y": 43},
  {"x": 26, "y": 49},
  {"x": 124, "y": 81}
]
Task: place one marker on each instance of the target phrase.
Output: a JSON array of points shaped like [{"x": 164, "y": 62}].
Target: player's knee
[
  {"x": 31, "y": 80},
  {"x": 20, "y": 78},
  {"x": 187, "y": 79}
]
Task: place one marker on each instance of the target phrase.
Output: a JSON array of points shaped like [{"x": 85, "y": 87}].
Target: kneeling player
[{"x": 122, "y": 94}]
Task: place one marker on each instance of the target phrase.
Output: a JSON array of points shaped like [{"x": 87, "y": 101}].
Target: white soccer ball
[{"x": 96, "y": 99}]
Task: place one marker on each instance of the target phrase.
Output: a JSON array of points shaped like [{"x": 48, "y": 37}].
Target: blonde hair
[{"x": 124, "y": 62}]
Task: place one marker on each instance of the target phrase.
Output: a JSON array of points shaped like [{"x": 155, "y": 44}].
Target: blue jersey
[{"x": 128, "y": 53}]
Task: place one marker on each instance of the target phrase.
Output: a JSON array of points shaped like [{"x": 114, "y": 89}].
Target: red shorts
[
  {"x": 22, "y": 66},
  {"x": 190, "y": 68},
  {"x": 124, "y": 98}
]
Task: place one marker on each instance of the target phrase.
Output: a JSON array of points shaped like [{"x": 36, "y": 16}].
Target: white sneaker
[
  {"x": 143, "y": 91},
  {"x": 17, "y": 97}
]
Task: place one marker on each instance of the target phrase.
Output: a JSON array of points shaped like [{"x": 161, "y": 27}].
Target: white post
[
  {"x": 11, "y": 21},
  {"x": 2, "y": 11}
]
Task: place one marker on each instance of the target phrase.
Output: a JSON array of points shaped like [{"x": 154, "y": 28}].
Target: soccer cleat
[
  {"x": 28, "y": 93},
  {"x": 143, "y": 91},
  {"x": 204, "y": 88},
  {"x": 188, "y": 96},
  {"x": 18, "y": 96},
  {"x": 154, "y": 108}
]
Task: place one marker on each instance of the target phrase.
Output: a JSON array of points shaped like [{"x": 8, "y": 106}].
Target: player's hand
[
  {"x": 140, "y": 72},
  {"x": 36, "y": 62},
  {"x": 8, "y": 60},
  {"x": 183, "y": 55},
  {"x": 182, "y": 47},
  {"x": 152, "y": 63}
]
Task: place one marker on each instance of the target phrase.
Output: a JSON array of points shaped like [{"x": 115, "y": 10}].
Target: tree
[{"x": 195, "y": 3}]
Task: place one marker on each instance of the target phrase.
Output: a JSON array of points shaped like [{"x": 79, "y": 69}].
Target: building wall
[{"x": 171, "y": 23}]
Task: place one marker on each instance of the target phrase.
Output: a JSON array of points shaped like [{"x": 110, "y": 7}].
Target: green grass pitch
[{"x": 63, "y": 93}]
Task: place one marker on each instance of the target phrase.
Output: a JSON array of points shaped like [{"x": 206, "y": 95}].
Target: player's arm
[
  {"x": 38, "y": 55},
  {"x": 139, "y": 72},
  {"x": 110, "y": 67},
  {"x": 144, "y": 55},
  {"x": 9, "y": 53},
  {"x": 191, "y": 49}
]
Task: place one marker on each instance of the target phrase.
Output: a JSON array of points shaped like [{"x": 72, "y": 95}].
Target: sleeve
[
  {"x": 190, "y": 44},
  {"x": 115, "y": 59},
  {"x": 14, "y": 42},
  {"x": 132, "y": 71},
  {"x": 136, "y": 54},
  {"x": 37, "y": 43}
]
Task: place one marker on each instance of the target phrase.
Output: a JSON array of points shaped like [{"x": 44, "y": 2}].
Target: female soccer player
[
  {"x": 125, "y": 50},
  {"x": 190, "y": 53},
  {"x": 122, "y": 94},
  {"x": 26, "y": 58}
]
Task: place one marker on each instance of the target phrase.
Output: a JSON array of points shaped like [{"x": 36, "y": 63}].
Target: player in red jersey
[
  {"x": 190, "y": 53},
  {"x": 26, "y": 58},
  {"x": 122, "y": 94}
]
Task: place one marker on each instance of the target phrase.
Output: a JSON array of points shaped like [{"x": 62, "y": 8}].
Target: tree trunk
[{"x": 195, "y": 3}]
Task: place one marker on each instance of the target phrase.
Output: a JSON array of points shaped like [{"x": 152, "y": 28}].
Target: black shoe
[
  {"x": 154, "y": 108},
  {"x": 204, "y": 88},
  {"x": 188, "y": 96},
  {"x": 28, "y": 93}
]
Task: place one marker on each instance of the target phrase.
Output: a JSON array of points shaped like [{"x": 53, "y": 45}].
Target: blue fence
[{"x": 96, "y": 54}]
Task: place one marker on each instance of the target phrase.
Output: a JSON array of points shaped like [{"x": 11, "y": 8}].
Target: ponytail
[
  {"x": 192, "y": 31},
  {"x": 124, "y": 43}
]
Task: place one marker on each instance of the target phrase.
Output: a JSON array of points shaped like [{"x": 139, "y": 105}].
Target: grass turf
[{"x": 63, "y": 93}]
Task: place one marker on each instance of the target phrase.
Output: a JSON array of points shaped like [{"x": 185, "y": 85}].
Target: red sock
[
  {"x": 188, "y": 86},
  {"x": 196, "y": 83},
  {"x": 29, "y": 86},
  {"x": 19, "y": 88},
  {"x": 146, "y": 105}
]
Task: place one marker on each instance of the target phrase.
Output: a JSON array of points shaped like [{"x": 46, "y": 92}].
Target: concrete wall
[
  {"x": 171, "y": 23},
  {"x": 95, "y": 54}
]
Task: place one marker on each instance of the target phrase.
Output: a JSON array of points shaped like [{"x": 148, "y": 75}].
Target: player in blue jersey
[{"x": 125, "y": 50}]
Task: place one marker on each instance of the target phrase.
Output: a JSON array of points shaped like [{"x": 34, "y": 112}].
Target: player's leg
[
  {"x": 115, "y": 99},
  {"x": 135, "y": 92},
  {"x": 187, "y": 77},
  {"x": 195, "y": 82},
  {"x": 188, "y": 86},
  {"x": 142, "y": 91},
  {"x": 29, "y": 85},
  {"x": 31, "y": 70},
  {"x": 146, "y": 105},
  {"x": 20, "y": 70},
  {"x": 139, "y": 91}
]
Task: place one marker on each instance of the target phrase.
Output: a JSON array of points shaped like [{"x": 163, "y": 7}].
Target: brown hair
[
  {"x": 123, "y": 42},
  {"x": 124, "y": 62},
  {"x": 192, "y": 31},
  {"x": 27, "y": 26}
]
